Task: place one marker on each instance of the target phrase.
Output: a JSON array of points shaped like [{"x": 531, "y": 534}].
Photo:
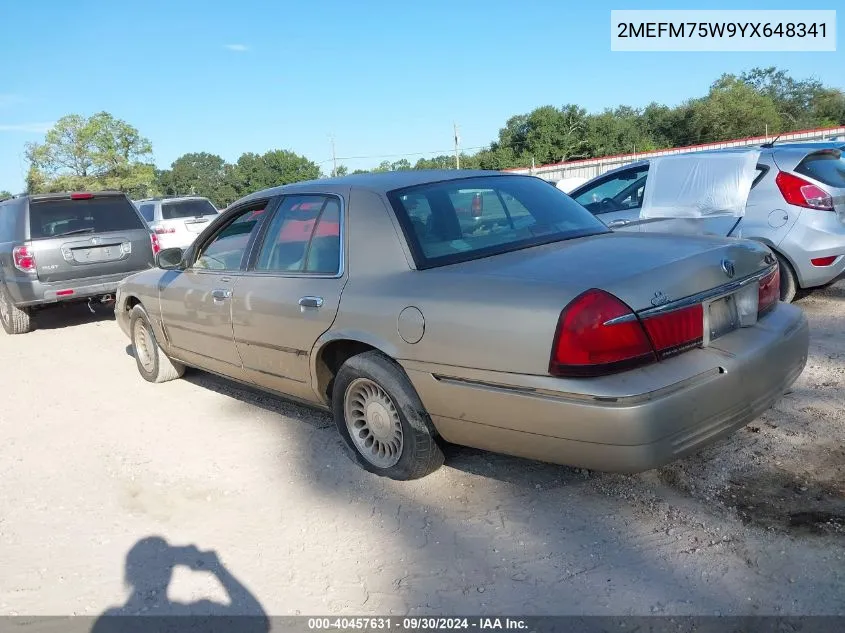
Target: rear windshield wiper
[{"x": 75, "y": 232}]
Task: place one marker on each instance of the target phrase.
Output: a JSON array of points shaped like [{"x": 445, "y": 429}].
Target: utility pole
[
  {"x": 457, "y": 151},
  {"x": 334, "y": 158}
]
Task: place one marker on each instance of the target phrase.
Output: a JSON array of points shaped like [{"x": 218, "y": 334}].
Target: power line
[{"x": 377, "y": 156}]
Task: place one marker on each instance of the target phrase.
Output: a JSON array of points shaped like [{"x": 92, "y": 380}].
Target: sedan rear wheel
[
  {"x": 381, "y": 419},
  {"x": 153, "y": 364}
]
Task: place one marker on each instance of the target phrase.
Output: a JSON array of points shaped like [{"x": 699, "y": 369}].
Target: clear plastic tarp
[{"x": 699, "y": 186}]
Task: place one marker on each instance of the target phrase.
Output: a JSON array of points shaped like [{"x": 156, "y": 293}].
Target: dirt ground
[{"x": 94, "y": 461}]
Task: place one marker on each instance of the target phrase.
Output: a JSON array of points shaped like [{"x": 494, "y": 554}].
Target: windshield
[
  {"x": 459, "y": 220},
  {"x": 187, "y": 209},
  {"x": 52, "y": 218}
]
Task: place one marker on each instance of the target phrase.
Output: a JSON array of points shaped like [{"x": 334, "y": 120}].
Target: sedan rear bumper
[{"x": 613, "y": 423}]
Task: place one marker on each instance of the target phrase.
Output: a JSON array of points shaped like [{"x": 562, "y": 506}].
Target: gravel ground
[{"x": 95, "y": 461}]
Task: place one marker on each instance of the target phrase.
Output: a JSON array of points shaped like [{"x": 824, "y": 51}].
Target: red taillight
[
  {"x": 589, "y": 344},
  {"x": 477, "y": 205},
  {"x": 154, "y": 243},
  {"x": 598, "y": 335},
  {"x": 64, "y": 293},
  {"x": 81, "y": 196},
  {"x": 676, "y": 331},
  {"x": 801, "y": 193},
  {"x": 823, "y": 261},
  {"x": 24, "y": 258},
  {"x": 162, "y": 230},
  {"x": 769, "y": 292}
]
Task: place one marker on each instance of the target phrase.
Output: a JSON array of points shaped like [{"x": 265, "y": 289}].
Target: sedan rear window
[
  {"x": 186, "y": 209},
  {"x": 468, "y": 218},
  {"x": 54, "y": 218},
  {"x": 826, "y": 167}
]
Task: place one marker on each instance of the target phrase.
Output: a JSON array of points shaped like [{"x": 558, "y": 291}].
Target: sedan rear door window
[{"x": 303, "y": 237}]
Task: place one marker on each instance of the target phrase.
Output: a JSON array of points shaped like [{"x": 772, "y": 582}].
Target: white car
[{"x": 177, "y": 220}]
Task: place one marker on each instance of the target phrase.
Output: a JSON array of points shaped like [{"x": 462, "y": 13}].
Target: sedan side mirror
[{"x": 169, "y": 258}]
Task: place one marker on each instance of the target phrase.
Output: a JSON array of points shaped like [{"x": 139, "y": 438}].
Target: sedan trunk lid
[{"x": 643, "y": 270}]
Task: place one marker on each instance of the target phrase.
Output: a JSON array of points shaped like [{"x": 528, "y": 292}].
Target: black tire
[
  {"x": 153, "y": 364},
  {"x": 14, "y": 320},
  {"x": 788, "y": 280},
  {"x": 420, "y": 454}
]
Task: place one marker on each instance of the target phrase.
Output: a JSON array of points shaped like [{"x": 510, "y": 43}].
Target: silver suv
[
  {"x": 177, "y": 220},
  {"x": 796, "y": 207},
  {"x": 65, "y": 247}
]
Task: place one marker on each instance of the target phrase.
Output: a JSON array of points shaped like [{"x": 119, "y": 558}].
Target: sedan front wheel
[{"x": 381, "y": 419}]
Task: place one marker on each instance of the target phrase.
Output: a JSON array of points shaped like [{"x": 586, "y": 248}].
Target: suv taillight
[
  {"x": 24, "y": 258},
  {"x": 154, "y": 243},
  {"x": 598, "y": 334},
  {"x": 801, "y": 193},
  {"x": 769, "y": 293}
]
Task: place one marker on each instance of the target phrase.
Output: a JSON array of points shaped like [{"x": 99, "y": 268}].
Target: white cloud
[
  {"x": 34, "y": 128},
  {"x": 238, "y": 48}
]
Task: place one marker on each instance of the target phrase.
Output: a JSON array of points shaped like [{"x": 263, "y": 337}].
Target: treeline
[{"x": 103, "y": 152}]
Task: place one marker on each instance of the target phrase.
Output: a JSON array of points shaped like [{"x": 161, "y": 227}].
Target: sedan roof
[{"x": 379, "y": 182}]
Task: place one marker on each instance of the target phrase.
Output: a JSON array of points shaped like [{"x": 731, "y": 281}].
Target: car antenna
[{"x": 772, "y": 144}]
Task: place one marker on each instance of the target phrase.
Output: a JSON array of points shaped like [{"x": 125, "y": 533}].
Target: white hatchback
[{"x": 178, "y": 220}]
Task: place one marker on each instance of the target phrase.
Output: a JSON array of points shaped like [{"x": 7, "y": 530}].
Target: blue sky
[{"x": 384, "y": 77}]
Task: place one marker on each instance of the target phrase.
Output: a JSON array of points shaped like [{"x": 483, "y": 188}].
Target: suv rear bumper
[{"x": 28, "y": 292}]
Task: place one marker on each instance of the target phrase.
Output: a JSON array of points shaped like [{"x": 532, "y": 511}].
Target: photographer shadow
[{"x": 149, "y": 569}]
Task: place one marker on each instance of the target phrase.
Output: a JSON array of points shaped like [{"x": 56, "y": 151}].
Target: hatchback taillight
[
  {"x": 768, "y": 294},
  {"x": 24, "y": 258},
  {"x": 154, "y": 243},
  {"x": 801, "y": 193}
]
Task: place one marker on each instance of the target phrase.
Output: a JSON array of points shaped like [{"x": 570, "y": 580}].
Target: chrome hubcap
[
  {"x": 143, "y": 346},
  {"x": 373, "y": 423}
]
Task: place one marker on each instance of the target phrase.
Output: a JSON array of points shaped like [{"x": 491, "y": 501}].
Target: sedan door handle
[
  {"x": 220, "y": 295},
  {"x": 617, "y": 223},
  {"x": 311, "y": 302}
]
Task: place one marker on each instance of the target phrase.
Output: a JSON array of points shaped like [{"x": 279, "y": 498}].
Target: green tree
[
  {"x": 97, "y": 152},
  {"x": 254, "y": 172},
  {"x": 437, "y": 162},
  {"x": 342, "y": 170},
  {"x": 5, "y": 194},
  {"x": 732, "y": 109},
  {"x": 200, "y": 174},
  {"x": 546, "y": 134}
]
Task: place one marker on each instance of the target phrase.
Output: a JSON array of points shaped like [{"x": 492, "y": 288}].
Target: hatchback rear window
[
  {"x": 186, "y": 209},
  {"x": 826, "y": 167},
  {"x": 468, "y": 218},
  {"x": 53, "y": 218}
]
